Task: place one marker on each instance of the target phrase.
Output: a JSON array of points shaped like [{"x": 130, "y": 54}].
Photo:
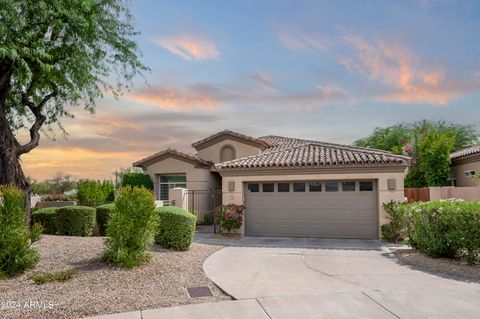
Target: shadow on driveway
[{"x": 290, "y": 242}]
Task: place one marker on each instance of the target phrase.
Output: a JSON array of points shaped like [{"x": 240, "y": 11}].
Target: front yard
[
  {"x": 99, "y": 288},
  {"x": 444, "y": 267}
]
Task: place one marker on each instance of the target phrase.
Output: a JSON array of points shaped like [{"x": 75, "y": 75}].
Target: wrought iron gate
[{"x": 204, "y": 204}]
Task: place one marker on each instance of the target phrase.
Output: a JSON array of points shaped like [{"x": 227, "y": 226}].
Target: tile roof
[
  {"x": 292, "y": 152},
  {"x": 172, "y": 151},
  {"x": 465, "y": 152},
  {"x": 231, "y": 133}
]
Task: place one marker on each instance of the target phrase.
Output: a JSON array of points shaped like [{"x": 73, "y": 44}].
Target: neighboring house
[
  {"x": 290, "y": 186},
  {"x": 465, "y": 166}
]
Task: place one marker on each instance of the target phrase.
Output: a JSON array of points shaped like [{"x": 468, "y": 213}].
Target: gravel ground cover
[
  {"x": 98, "y": 288},
  {"x": 450, "y": 268}
]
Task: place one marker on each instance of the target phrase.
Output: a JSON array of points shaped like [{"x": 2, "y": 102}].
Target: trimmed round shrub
[
  {"x": 47, "y": 218},
  {"x": 16, "y": 255},
  {"x": 176, "y": 228},
  {"x": 137, "y": 179},
  {"x": 103, "y": 216},
  {"x": 75, "y": 220},
  {"x": 131, "y": 228}
]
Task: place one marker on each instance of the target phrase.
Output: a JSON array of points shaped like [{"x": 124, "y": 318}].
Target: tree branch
[{"x": 39, "y": 120}]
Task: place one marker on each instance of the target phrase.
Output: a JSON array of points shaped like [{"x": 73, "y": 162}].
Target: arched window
[{"x": 227, "y": 153}]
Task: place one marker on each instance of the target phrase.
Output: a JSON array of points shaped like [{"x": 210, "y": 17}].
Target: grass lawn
[{"x": 78, "y": 283}]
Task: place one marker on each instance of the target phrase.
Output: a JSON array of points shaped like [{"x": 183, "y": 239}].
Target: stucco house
[
  {"x": 465, "y": 166},
  {"x": 290, "y": 186}
]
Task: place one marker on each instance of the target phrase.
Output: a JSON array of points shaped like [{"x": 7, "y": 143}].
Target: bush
[
  {"x": 91, "y": 191},
  {"x": 230, "y": 217},
  {"x": 103, "y": 215},
  {"x": 137, "y": 179},
  {"x": 131, "y": 228},
  {"x": 75, "y": 220},
  {"x": 47, "y": 218},
  {"x": 58, "y": 197},
  {"x": 396, "y": 230},
  {"x": 446, "y": 229},
  {"x": 176, "y": 228},
  {"x": 208, "y": 219},
  {"x": 43, "y": 278},
  {"x": 16, "y": 255}
]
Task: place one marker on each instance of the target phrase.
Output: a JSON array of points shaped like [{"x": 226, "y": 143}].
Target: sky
[{"x": 324, "y": 70}]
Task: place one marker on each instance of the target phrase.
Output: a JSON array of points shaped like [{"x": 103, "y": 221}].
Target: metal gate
[{"x": 204, "y": 204}]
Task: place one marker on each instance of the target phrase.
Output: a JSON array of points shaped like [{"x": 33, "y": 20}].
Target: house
[
  {"x": 290, "y": 186},
  {"x": 465, "y": 166}
]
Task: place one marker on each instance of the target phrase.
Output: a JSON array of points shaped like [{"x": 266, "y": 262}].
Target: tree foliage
[
  {"x": 63, "y": 53},
  {"x": 60, "y": 184},
  {"x": 429, "y": 143},
  {"x": 92, "y": 191},
  {"x": 394, "y": 138},
  {"x": 55, "y": 54},
  {"x": 137, "y": 179}
]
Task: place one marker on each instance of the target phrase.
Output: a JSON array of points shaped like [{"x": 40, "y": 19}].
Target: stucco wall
[
  {"x": 459, "y": 171},
  {"x": 212, "y": 152},
  {"x": 465, "y": 193},
  {"x": 384, "y": 195},
  {"x": 198, "y": 178}
]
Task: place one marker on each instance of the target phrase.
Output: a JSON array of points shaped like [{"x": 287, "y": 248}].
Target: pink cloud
[
  {"x": 175, "y": 100},
  {"x": 189, "y": 47},
  {"x": 399, "y": 69}
]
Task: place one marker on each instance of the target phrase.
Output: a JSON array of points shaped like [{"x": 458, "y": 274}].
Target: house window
[
  {"x": 227, "y": 153},
  {"x": 470, "y": 173},
  {"x": 267, "y": 187},
  {"x": 253, "y": 188},
  {"x": 315, "y": 187},
  {"x": 366, "y": 186},
  {"x": 298, "y": 187},
  {"x": 331, "y": 186},
  {"x": 283, "y": 187},
  {"x": 348, "y": 186},
  {"x": 171, "y": 181}
]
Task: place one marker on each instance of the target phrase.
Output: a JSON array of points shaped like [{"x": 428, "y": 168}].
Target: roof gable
[
  {"x": 168, "y": 153},
  {"x": 227, "y": 134}
]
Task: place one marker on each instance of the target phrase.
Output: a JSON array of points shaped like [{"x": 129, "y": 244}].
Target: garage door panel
[{"x": 312, "y": 214}]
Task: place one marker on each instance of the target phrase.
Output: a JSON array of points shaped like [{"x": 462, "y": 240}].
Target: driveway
[
  {"x": 284, "y": 278},
  {"x": 336, "y": 278}
]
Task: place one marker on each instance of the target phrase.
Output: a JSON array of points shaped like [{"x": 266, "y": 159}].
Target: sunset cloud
[
  {"x": 263, "y": 80},
  {"x": 399, "y": 69},
  {"x": 171, "y": 99},
  {"x": 189, "y": 47},
  {"x": 304, "y": 42}
]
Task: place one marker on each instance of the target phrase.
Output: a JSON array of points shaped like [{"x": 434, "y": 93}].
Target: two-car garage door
[{"x": 329, "y": 209}]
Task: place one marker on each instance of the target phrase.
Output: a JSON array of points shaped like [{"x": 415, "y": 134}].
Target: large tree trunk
[{"x": 10, "y": 168}]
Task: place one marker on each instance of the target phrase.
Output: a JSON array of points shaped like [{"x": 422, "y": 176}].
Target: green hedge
[
  {"x": 75, "y": 220},
  {"x": 137, "y": 179},
  {"x": 176, "y": 228},
  {"x": 103, "y": 215},
  {"x": 449, "y": 228},
  {"x": 446, "y": 229},
  {"x": 47, "y": 218}
]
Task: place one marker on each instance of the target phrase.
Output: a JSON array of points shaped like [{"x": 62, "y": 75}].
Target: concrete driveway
[
  {"x": 336, "y": 279},
  {"x": 284, "y": 278}
]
